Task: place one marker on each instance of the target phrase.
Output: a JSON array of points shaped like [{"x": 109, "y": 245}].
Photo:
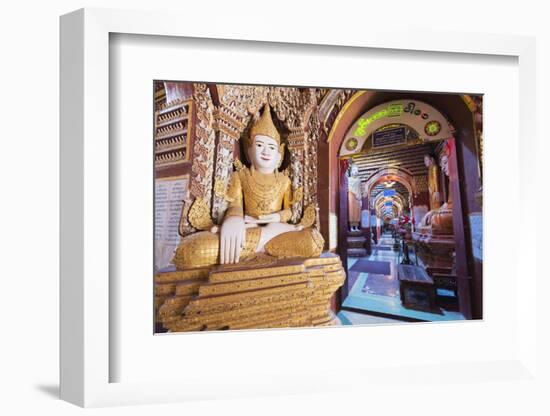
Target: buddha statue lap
[
  {"x": 259, "y": 199},
  {"x": 438, "y": 222}
]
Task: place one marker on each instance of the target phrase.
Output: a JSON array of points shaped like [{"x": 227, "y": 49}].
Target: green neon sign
[{"x": 392, "y": 110}]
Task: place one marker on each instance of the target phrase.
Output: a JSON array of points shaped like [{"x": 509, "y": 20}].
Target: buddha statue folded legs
[
  {"x": 437, "y": 222},
  {"x": 203, "y": 248}
]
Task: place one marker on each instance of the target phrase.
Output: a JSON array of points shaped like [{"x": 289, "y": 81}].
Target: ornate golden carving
[
  {"x": 224, "y": 161},
  {"x": 292, "y": 105},
  {"x": 199, "y": 215},
  {"x": 228, "y": 122},
  {"x": 309, "y": 217},
  {"x": 184, "y": 227},
  {"x": 238, "y": 165},
  {"x": 310, "y": 162},
  {"x": 260, "y": 194},
  {"x": 251, "y": 270},
  {"x": 343, "y": 99},
  {"x": 220, "y": 190},
  {"x": 277, "y": 294},
  {"x": 257, "y": 259},
  {"x": 242, "y": 100},
  {"x": 203, "y": 150},
  {"x": 296, "y": 162},
  {"x": 179, "y": 275},
  {"x": 298, "y": 196}
]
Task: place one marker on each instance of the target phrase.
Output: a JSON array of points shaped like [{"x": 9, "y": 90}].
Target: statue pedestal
[
  {"x": 262, "y": 292},
  {"x": 356, "y": 244},
  {"x": 435, "y": 251}
]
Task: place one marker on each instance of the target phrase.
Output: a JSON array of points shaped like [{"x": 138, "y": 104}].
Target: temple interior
[{"x": 299, "y": 207}]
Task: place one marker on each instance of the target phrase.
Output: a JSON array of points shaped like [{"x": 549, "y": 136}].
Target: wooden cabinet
[{"x": 416, "y": 287}]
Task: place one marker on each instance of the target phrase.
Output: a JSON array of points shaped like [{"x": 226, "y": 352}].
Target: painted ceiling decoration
[{"x": 429, "y": 124}]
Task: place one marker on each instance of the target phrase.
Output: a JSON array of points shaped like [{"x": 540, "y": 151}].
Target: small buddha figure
[
  {"x": 259, "y": 208},
  {"x": 440, "y": 220},
  {"x": 354, "y": 198}
]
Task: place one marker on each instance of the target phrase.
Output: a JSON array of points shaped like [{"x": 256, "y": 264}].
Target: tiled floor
[
  {"x": 354, "y": 318},
  {"x": 380, "y": 293}
]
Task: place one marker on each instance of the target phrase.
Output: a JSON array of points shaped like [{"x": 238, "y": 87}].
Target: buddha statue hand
[
  {"x": 232, "y": 237},
  {"x": 275, "y": 229}
]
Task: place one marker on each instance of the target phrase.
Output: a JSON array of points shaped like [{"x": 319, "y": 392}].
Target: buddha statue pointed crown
[{"x": 263, "y": 126}]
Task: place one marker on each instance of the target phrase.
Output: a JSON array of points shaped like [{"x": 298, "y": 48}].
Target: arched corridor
[{"x": 411, "y": 258}]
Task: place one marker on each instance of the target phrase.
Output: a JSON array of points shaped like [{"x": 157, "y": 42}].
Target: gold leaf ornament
[
  {"x": 199, "y": 215},
  {"x": 238, "y": 165},
  {"x": 297, "y": 195},
  {"x": 309, "y": 217},
  {"x": 220, "y": 189}
]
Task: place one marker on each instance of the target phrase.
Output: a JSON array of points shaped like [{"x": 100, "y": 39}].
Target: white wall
[{"x": 29, "y": 208}]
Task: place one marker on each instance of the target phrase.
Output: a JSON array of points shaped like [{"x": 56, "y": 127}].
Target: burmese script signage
[
  {"x": 169, "y": 196},
  {"x": 389, "y": 137},
  {"x": 428, "y": 122}
]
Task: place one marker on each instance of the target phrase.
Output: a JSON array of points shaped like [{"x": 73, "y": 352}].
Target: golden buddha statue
[
  {"x": 259, "y": 208},
  {"x": 440, "y": 220},
  {"x": 433, "y": 182}
]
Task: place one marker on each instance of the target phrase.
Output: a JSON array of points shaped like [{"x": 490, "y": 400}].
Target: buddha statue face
[
  {"x": 354, "y": 170},
  {"x": 444, "y": 158},
  {"x": 264, "y": 153},
  {"x": 264, "y": 148},
  {"x": 428, "y": 161},
  {"x": 444, "y": 162}
]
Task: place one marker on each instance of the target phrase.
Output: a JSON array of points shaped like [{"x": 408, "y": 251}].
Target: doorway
[{"x": 411, "y": 226}]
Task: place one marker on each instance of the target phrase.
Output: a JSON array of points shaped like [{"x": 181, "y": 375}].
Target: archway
[{"x": 456, "y": 109}]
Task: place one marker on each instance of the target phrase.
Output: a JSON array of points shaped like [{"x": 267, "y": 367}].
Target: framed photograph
[{"x": 247, "y": 216}]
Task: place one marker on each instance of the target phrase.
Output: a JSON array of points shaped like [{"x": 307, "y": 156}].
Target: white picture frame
[{"x": 86, "y": 301}]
